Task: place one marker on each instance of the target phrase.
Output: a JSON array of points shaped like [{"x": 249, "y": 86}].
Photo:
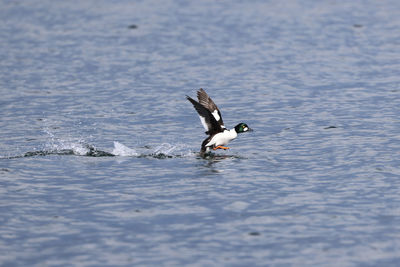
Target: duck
[{"x": 210, "y": 116}]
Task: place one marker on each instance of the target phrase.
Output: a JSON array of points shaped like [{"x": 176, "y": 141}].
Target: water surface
[{"x": 99, "y": 159}]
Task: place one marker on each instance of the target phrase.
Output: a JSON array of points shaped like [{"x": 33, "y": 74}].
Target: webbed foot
[{"x": 220, "y": 147}]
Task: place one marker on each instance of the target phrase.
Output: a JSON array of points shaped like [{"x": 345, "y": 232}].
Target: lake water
[{"x": 99, "y": 159}]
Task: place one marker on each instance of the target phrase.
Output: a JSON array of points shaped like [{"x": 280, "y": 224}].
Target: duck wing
[
  {"x": 209, "y": 104},
  {"x": 209, "y": 122}
]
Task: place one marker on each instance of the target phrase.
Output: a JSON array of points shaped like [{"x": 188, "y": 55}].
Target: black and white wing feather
[
  {"x": 209, "y": 122},
  {"x": 207, "y": 102}
]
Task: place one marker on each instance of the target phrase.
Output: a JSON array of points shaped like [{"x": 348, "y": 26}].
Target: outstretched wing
[
  {"x": 206, "y": 117},
  {"x": 207, "y": 102}
]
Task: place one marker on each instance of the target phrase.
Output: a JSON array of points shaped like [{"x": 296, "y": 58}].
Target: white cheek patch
[
  {"x": 245, "y": 129},
  {"x": 215, "y": 114}
]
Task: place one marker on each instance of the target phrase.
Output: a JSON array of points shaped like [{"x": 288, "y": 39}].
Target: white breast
[{"x": 222, "y": 139}]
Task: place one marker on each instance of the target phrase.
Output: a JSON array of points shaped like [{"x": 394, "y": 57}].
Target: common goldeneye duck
[{"x": 210, "y": 117}]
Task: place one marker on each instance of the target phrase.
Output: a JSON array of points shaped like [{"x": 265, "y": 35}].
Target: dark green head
[{"x": 242, "y": 127}]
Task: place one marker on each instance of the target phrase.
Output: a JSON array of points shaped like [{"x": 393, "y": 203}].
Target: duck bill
[{"x": 250, "y": 130}]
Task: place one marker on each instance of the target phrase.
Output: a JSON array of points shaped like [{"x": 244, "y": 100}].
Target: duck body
[
  {"x": 219, "y": 139},
  {"x": 210, "y": 117}
]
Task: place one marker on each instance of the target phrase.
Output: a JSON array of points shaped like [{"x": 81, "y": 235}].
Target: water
[{"x": 99, "y": 159}]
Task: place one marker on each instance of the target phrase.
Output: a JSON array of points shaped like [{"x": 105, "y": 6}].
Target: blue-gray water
[{"x": 316, "y": 184}]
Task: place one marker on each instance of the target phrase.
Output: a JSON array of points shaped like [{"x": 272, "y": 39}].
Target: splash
[
  {"x": 165, "y": 150},
  {"x": 79, "y": 147},
  {"x": 72, "y": 149},
  {"x": 69, "y": 146},
  {"x": 122, "y": 150},
  {"x": 61, "y": 147}
]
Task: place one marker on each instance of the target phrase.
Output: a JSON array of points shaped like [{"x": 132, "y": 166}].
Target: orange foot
[{"x": 220, "y": 147}]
